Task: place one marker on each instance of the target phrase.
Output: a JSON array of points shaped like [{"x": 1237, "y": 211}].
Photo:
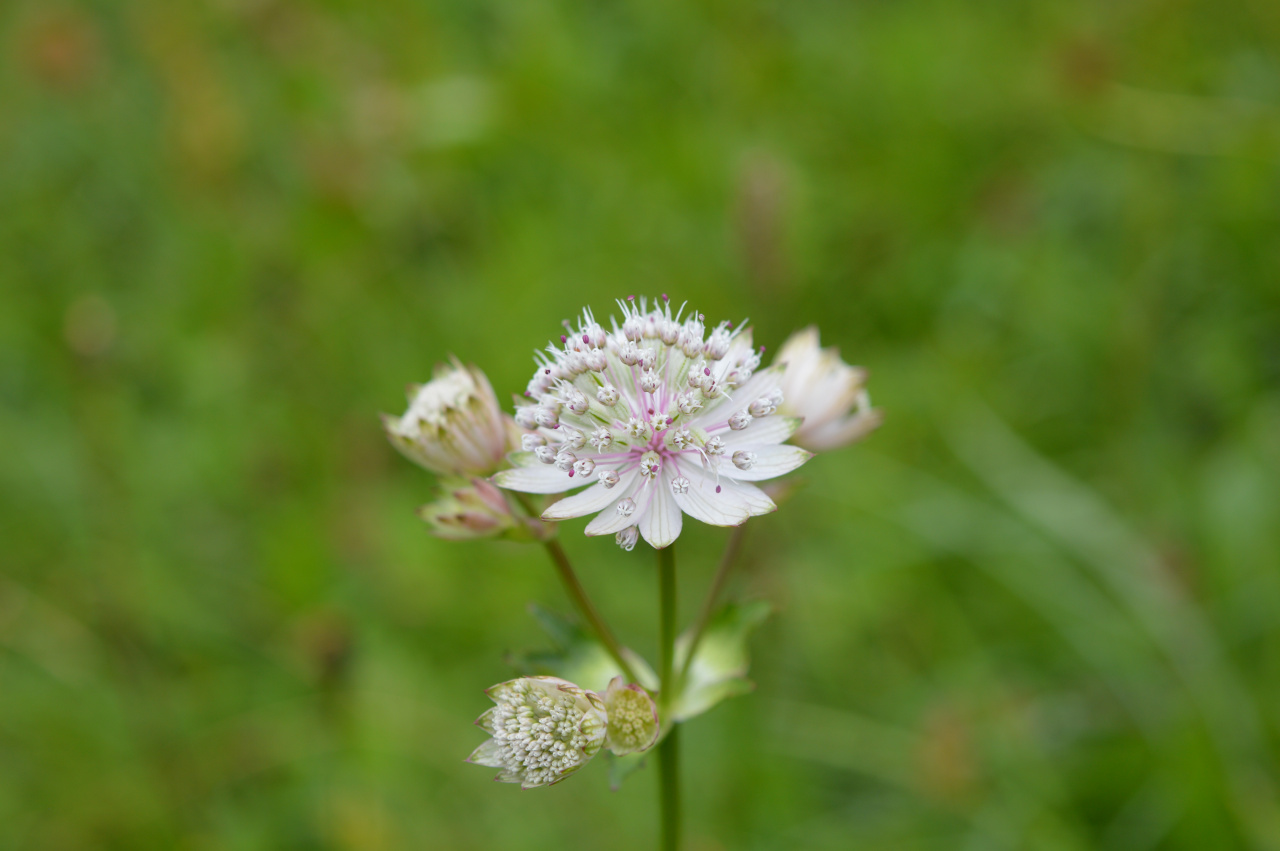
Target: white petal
[
  {"x": 762, "y": 382},
  {"x": 544, "y": 478},
  {"x": 660, "y": 525},
  {"x": 764, "y": 431},
  {"x": 609, "y": 521},
  {"x": 754, "y": 500},
  {"x": 703, "y": 503},
  {"x": 590, "y": 500},
  {"x": 838, "y": 433},
  {"x": 771, "y": 461}
]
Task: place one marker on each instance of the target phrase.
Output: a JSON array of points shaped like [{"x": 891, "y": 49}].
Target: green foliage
[{"x": 719, "y": 667}]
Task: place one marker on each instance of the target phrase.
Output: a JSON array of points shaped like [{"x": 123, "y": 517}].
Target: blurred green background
[{"x": 1039, "y": 609}]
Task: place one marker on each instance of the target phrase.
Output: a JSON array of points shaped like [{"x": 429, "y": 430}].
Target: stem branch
[
  {"x": 588, "y": 611},
  {"x": 713, "y": 594}
]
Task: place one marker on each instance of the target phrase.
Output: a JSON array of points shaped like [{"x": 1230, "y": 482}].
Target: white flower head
[
  {"x": 823, "y": 389},
  {"x": 544, "y": 728},
  {"x": 667, "y": 411},
  {"x": 454, "y": 425}
]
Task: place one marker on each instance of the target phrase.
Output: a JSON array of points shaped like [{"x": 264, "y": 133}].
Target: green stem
[
  {"x": 588, "y": 611},
  {"x": 668, "y": 750},
  {"x": 713, "y": 594},
  {"x": 669, "y": 789}
]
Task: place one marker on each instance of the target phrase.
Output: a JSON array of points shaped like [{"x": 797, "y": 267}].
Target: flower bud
[
  {"x": 632, "y": 715},
  {"x": 820, "y": 387},
  {"x": 453, "y": 425},
  {"x": 543, "y": 729}
]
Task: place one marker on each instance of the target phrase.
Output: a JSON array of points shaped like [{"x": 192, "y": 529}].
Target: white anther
[
  {"x": 548, "y": 417},
  {"x": 762, "y": 407},
  {"x": 576, "y": 402},
  {"x": 681, "y": 438},
  {"x": 585, "y": 467},
  {"x": 688, "y": 403},
  {"x": 680, "y": 485},
  {"x": 744, "y": 460},
  {"x": 740, "y": 420},
  {"x": 573, "y": 439},
  {"x": 600, "y": 438},
  {"x": 633, "y": 327},
  {"x": 545, "y": 454},
  {"x": 650, "y": 463},
  {"x": 565, "y": 461},
  {"x": 607, "y": 395},
  {"x": 718, "y": 343},
  {"x": 626, "y": 507},
  {"x": 608, "y": 478},
  {"x": 527, "y": 416},
  {"x": 627, "y": 538},
  {"x": 529, "y": 442},
  {"x": 649, "y": 381},
  {"x": 715, "y": 446}
]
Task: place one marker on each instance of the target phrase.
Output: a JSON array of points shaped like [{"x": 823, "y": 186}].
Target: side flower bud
[
  {"x": 632, "y": 718},
  {"x": 820, "y": 387},
  {"x": 454, "y": 425},
  {"x": 476, "y": 508},
  {"x": 542, "y": 730}
]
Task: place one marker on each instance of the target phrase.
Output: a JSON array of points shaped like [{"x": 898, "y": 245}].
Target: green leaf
[
  {"x": 622, "y": 767},
  {"x": 720, "y": 662},
  {"x": 577, "y": 656}
]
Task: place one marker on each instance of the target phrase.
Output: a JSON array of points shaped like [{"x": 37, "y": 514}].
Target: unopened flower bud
[
  {"x": 453, "y": 425},
  {"x": 543, "y": 729},
  {"x": 827, "y": 392},
  {"x": 632, "y": 714}
]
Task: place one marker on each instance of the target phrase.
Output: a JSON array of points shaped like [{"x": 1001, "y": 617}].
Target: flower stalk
[
  {"x": 669, "y": 749},
  {"x": 725, "y": 567},
  {"x": 583, "y": 603}
]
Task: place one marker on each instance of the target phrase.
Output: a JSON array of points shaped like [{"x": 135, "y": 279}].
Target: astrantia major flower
[
  {"x": 454, "y": 425},
  {"x": 659, "y": 418},
  {"x": 822, "y": 389},
  {"x": 544, "y": 728}
]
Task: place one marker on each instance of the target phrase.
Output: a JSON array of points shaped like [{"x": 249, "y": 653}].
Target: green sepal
[{"x": 720, "y": 663}]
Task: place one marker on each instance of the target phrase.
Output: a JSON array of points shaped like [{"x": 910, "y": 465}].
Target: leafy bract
[{"x": 720, "y": 661}]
